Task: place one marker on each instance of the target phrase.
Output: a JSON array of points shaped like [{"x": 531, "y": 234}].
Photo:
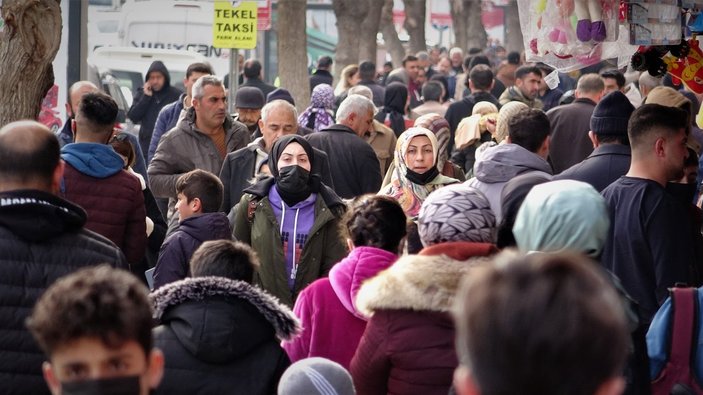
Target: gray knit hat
[
  {"x": 456, "y": 212},
  {"x": 312, "y": 376}
]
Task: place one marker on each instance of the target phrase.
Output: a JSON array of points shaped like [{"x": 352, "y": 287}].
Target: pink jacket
[{"x": 332, "y": 326}]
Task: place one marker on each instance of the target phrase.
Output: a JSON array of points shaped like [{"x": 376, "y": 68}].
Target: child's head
[
  {"x": 375, "y": 221},
  {"x": 224, "y": 258},
  {"x": 199, "y": 192},
  {"x": 95, "y": 327}
]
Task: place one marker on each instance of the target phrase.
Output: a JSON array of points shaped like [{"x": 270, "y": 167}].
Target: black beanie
[
  {"x": 249, "y": 97},
  {"x": 611, "y": 115}
]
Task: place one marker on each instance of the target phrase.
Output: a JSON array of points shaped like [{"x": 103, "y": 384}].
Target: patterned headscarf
[
  {"x": 409, "y": 194},
  {"x": 440, "y": 127},
  {"x": 456, "y": 213},
  {"x": 321, "y": 103}
]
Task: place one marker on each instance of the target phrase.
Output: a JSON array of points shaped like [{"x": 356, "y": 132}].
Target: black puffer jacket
[
  {"x": 221, "y": 336},
  {"x": 41, "y": 239}
]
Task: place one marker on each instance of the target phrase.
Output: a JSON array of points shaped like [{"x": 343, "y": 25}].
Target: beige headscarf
[
  {"x": 506, "y": 112},
  {"x": 469, "y": 129}
]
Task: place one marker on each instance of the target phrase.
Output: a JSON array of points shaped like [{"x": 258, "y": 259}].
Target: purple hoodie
[
  {"x": 332, "y": 327},
  {"x": 294, "y": 224}
]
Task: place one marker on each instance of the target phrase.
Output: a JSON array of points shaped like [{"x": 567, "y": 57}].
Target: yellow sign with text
[{"x": 234, "y": 26}]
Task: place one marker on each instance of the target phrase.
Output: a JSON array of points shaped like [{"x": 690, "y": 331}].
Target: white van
[
  {"x": 129, "y": 64},
  {"x": 173, "y": 24}
]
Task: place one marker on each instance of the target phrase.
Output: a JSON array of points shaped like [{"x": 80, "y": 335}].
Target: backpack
[{"x": 678, "y": 375}]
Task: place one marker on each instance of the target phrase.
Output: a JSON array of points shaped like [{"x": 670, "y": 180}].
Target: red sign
[
  {"x": 440, "y": 19},
  {"x": 398, "y": 17},
  {"x": 263, "y": 15}
]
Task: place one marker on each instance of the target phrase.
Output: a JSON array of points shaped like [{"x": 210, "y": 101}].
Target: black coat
[
  {"x": 42, "y": 239},
  {"x": 258, "y": 83},
  {"x": 570, "y": 124},
  {"x": 606, "y": 164},
  {"x": 354, "y": 165},
  {"x": 320, "y": 77},
  {"x": 221, "y": 336}
]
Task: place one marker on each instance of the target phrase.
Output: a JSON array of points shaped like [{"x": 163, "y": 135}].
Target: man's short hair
[
  {"x": 529, "y": 128},
  {"x": 456, "y": 50},
  {"x": 355, "y": 104},
  {"x": 278, "y": 105},
  {"x": 556, "y": 313},
  {"x": 29, "y": 151},
  {"x": 367, "y": 71},
  {"x": 362, "y": 90},
  {"x": 224, "y": 258},
  {"x": 477, "y": 60},
  {"x": 422, "y": 55},
  {"x": 202, "y": 82},
  {"x": 409, "y": 58},
  {"x": 524, "y": 70},
  {"x": 203, "y": 185},
  {"x": 252, "y": 69},
  {"x": 481, "y": 76},
  {"x": 97, "y": 302},
  {"x": 590, "y": 83},
  {"x": 654, "y": 119},
  {"x": 99, "y": 109},
  {"x": 432, "y": 90},
  {"x": 198, "y": 67},
  {"x": 324, "y": 62},
  {"x": 616, "y": 75}
]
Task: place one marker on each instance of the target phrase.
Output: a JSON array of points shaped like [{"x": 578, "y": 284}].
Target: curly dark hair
[
  {"x": 375, "y": 221},
  {"x": 98, "y": 302}
]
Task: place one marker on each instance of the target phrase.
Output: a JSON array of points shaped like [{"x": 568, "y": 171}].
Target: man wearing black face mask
[
  {"x": 95, "y": 328},
  {"x": 291, "y": 221},
  {"x": 95, "y": 178}
]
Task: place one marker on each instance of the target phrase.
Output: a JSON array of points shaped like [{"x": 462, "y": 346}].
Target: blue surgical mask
[{"x": 128, "y": 385}]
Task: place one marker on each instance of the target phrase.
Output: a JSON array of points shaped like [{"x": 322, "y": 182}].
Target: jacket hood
[
  {"x": 421, "y": 283},
  {"x": 218, "y": 319},
  {"x": 209, "y": 226},
  {"x": 159, "y": 66},
  {"x": 505, "y": 161},
  {"x": 361, "y": 264},
  {"x": 37, "y": 216},
  {"x": 95, "y": 160}
]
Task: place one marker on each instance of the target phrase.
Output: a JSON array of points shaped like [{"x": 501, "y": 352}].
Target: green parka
[{"x": 258, "y": 227}]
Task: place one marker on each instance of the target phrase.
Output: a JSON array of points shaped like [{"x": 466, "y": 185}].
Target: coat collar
[{"x": 283, "y": 320}]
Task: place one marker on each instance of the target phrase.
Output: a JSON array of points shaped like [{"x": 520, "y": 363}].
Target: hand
[{"x": 147, "y": 89}]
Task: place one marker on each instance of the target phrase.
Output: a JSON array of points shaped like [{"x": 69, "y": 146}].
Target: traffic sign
[{"x": 235, "y": 26}]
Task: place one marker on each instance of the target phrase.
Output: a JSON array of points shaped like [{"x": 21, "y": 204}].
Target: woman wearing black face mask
[{"x": 291, "y": 221}]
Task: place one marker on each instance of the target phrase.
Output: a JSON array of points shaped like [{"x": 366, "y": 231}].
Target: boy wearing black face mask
[{"x": 95, "y": 328}]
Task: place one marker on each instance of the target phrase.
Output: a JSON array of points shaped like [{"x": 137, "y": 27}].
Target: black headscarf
[
  {"x": 299, "y": 193},
  {"x": 394, "y": 101}
]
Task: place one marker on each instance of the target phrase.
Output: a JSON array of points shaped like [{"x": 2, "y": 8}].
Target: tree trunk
[
  {"x": 513, "y": 34},
  {"x": 475, "y": 32},
  {"x": 459, "y": 22},
  {"x": 28, "y": 44},
  {"x": 390, "y": 35},
  {"x": 349, "y": 14},
  {"x": 292, "y": 53},
  {"x": 369, "y": 31},
  {"x": 415, "y": 24}
]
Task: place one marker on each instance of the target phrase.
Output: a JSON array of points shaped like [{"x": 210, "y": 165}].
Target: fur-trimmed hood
[
  {"x": 213, "y": 317},
  {"x": 424, "y": 283}
]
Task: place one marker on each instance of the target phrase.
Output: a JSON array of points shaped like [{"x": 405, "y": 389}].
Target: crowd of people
[{"x": 453, "y": 224}]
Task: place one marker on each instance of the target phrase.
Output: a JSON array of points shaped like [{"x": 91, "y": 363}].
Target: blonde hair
[{"x": 347, "y": 73}]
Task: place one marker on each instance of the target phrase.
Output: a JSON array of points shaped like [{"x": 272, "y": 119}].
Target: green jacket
[{"x": 323, "y": 248}]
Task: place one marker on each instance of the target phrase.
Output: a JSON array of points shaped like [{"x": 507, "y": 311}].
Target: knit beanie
[
  {"x": 249, "y": 97},
  {"x": 456, "y": 212},
  {"x": 311, "y": 376},
  {"x": 506, "y": 112},
  {"x": 611, "y": 115},
  {"x": 280, "y": 94}
]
